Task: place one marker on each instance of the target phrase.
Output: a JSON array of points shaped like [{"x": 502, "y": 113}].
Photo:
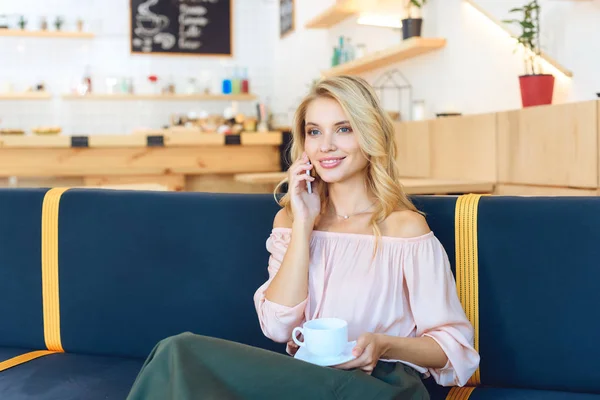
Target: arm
[
  {"x": 277, "y": 320},
  {"x": 289, "y": 287},
  {"x": 419, "y": 351},
  {"x": 443, "y": 342},
  {"x": 438, "y": 313},
  {"x": 281, "y": 301}
]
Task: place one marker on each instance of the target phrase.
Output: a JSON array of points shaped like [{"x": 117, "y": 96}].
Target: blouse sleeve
[
  {"x": 277, "y": 321},
  {"x": 438, "y": 312}
]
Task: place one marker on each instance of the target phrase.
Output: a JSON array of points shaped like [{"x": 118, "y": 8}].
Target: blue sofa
[{"x": 94, "y": 279}]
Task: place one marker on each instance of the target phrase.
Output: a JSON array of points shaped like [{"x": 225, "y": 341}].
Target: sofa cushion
[
  {"x": 20, "y": 268},
  {"x": 135, "y": 268},
  {"x": 69, "y": 377},
  {"x": 526, "y": 394}
]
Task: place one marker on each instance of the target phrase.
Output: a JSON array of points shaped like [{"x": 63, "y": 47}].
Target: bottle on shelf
[
  {"x": 227, "y": 86},
  {"x": 349, "y": 48},
  {"x": 236, "y": 81},
  {"x": 245, "y": 81},
  {"x": 335, "y": 59},
  {"x": 86, "y": 83}
]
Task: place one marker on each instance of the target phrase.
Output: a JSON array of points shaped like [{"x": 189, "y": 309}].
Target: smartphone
[{"x": 308, "y": 184}]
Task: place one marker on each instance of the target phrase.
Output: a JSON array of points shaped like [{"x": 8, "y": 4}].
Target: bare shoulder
[
  {"x": 405, "y": 224},
  {"x": 282, "y": 219}
]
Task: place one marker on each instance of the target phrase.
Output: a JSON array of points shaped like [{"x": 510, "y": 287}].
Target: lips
[{"x": 331, "y": 162}]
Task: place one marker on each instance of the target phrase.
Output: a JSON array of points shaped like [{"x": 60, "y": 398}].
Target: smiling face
[{"x": 330, "y": 143}]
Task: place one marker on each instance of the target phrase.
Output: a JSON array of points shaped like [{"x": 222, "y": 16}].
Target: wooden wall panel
[
  {"x": 413, "y": 149},
  {"x": 464, "y": 147},
  {"x": 551, "y": 145}
]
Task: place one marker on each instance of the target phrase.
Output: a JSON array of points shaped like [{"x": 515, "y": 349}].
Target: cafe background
[{"x": 474, "y": 70}]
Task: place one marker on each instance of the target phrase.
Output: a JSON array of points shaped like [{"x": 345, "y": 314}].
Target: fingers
[
  {"x": 292, "y": 347},
  {"x": 366, "y": 361},
  {"x": 301, "y": 178},
  {"x": 361, "y": 345},
  {"x": 300, "y": 169}
]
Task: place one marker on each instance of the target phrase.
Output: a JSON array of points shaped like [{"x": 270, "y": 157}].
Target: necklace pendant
[{"x": 346, "y": 216}]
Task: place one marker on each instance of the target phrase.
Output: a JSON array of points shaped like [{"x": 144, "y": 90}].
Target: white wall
[
  {"x": 61, "y": 64},
  {"x": 477, "y": 72}
]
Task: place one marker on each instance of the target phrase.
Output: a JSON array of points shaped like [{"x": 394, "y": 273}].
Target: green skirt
[{"x": 189, "y": 366}]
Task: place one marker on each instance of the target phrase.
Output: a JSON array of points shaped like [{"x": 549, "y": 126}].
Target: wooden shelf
[
  {"x": 333, "y": 15},
  {"x": 163, "y": 97},
  {"x": 407, "y": 49},
  {"x": 343, "y": 9},
  {"x": 25, "y": 96},
  {"x": 46, "y": 34}
]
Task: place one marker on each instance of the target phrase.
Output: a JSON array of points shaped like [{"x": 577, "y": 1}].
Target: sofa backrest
[
  {"x": 136, "y": 267},
  {"x": 539, "y": 268},
  {"x": 20, "y": 269}
]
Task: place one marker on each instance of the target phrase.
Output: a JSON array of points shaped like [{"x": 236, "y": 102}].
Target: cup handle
[{"x": 295, "y": 333}]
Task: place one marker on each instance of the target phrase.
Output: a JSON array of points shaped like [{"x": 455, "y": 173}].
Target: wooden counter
[
  {"x": 182, "y": 161},
  {"x": 412, "y": 186},
  {"x": 547, "y": 150}
]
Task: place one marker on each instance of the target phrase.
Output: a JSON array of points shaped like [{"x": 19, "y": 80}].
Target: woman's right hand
[{"x": 305, "y": 206}]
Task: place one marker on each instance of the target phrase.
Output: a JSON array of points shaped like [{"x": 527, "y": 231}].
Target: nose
[{"x": 327, "y": 144}]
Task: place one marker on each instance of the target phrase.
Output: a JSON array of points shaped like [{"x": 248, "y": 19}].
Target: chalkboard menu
[
  {"x": 190, "y": 27},
  {"x": 286, "y": 17}
]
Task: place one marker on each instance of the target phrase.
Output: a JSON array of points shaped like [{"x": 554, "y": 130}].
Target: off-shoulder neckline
[{"x": 363, "y": 236}]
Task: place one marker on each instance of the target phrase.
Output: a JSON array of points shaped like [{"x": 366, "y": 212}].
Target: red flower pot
[{"x": 536, "y": 90}]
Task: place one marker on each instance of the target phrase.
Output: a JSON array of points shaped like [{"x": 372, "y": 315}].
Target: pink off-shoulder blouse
[{"x": 408, "y": 290}]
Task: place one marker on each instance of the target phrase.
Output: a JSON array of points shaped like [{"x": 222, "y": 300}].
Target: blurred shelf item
[
  {"x": 47, "y": 130},
  {"x": 16, "y": 132},
  {"x": 161, "y": 97},
  {"x": 407, "y": 49},
  {"x": 46, "y": 34},
  {"x": 26, "y": 96}
]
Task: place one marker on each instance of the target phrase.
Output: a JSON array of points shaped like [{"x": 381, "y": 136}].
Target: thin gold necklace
[{"x": 346, "y": 216}]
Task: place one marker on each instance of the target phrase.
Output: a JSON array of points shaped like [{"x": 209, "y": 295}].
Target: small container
[
  {"x": 361, "y": 50},
  {"x": 419, "y": 110}
]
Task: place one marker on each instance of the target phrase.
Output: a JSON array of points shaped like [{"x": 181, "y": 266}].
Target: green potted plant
[
  {"x": 58, "y": 23},
  {"x": 22, "y": 22},
  {"x": 411, "y": 26},
  {"x": 537, "y": 88}
]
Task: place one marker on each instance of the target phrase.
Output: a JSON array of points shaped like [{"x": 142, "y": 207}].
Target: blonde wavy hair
[{"x": 376, "y": 137}]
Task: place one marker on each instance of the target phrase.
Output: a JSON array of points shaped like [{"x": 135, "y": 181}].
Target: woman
[
  {"x": 401, "y": 304},
  {"x": 354, "y": 248}
]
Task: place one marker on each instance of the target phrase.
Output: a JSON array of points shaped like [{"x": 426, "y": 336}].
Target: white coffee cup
[{"x": 324, "y": 337}]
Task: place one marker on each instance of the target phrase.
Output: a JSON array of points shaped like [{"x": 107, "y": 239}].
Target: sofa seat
[
  {"x": 528, "y": 394},
  {"x": 68, "y": 377},
  {"x": 493, "y": 393}
]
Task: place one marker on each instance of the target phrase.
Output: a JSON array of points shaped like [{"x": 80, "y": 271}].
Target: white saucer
[{"x": 346, "y": 356}]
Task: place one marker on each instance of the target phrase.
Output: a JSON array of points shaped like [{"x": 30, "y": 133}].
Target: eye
[
  {"x": 312, "y": 132},
  {"x": 345, "y": 129}
]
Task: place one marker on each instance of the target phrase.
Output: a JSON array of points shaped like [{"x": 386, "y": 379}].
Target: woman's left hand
[{"x": 368, "y": 350}]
